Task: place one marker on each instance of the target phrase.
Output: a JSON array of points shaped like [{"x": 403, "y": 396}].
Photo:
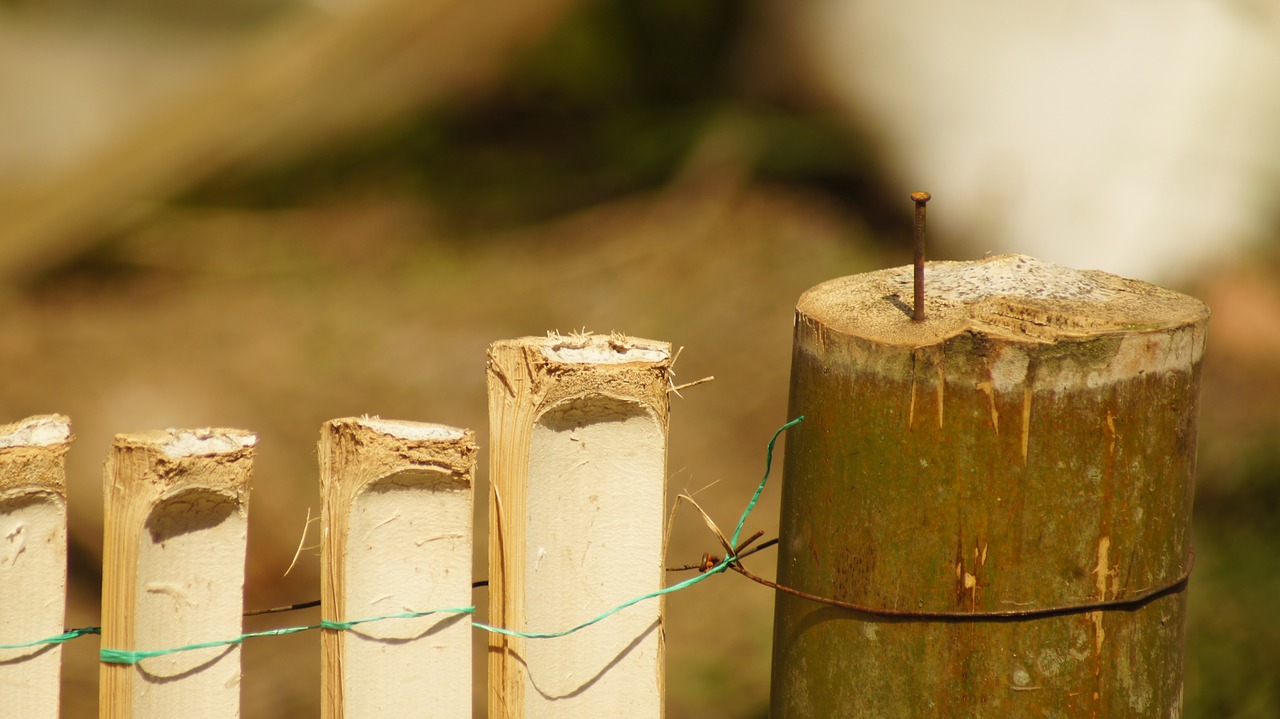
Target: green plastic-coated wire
[
  {"x": 552, "y": 635},
  {"x": 63, "y": 637},
  {"x": 718, "y": 568},
  {"x": 124, "y": 656},
  {"x": 121, "y": 656},
  {"x": 768, "y": 464}
]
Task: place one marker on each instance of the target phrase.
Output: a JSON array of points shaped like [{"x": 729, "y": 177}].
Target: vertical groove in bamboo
[
  {"x": 33, "y": 561},
  {"x": 1030, "y": 445},
  {"x": 397, "y": 513},
  {"x": 578, "y": 430},
  {"x": 176, "y": 515}
]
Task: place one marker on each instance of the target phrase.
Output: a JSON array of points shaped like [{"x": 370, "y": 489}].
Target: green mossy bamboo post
[{"x": 1030, "y": 445}]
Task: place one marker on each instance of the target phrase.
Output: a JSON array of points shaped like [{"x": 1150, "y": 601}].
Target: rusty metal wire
[{"x": 1128, "y": 603}]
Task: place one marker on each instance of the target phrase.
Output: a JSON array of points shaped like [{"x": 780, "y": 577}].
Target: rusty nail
[{"x": 917, "y": 312}]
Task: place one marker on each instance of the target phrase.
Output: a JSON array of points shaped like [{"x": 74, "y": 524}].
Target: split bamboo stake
[
  {"x": 176, "y": 513},
  {"x": 578, "y": 430},
  {"x": 1027, "y": 448},
  {"x": 397, "y": 509},
  {"x": 33, "y": 561}
]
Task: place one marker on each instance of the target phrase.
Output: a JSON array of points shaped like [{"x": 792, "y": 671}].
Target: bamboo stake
[
  {"x": 1028, "y": 446},
  {"x": 174, "y": 552},
  {"x": 33, "y": 561},
  {"x": 578, "y": 431},
  {"x": 397, "y": 508}
]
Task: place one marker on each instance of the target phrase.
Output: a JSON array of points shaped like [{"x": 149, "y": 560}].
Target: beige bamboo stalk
[
  {"x": 33, "y": 561},
  {"x": 578, "y": 430},
  {"x": 397, "y": 511},
  {"x": 176, "y": 518}
]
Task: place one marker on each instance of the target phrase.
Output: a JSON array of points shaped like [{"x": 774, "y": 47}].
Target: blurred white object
[{"x": 1137, "y": 137}]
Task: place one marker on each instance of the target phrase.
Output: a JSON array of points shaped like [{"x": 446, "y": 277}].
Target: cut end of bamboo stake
[
  {"x": 40, "y": 431},
  {"x": 613, "y": 349},
  {"x": 1014, "y": 296},
  {"x": 1020, "y": 301},
  {"x": 175, "y": 443},
  {"x": 419, "y": 431}
]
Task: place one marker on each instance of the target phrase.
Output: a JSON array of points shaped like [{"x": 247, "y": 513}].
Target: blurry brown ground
[{"x": 274, "y": 299}]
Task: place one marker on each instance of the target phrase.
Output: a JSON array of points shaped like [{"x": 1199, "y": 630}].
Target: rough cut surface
[
  {"x": 36, "y": 432},
  {"x": 1022, "y": 311},
  {"x": 1012, "y": 297}
]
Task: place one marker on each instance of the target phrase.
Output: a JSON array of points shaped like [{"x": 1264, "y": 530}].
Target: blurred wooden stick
[{"x": 310, "y": 81}]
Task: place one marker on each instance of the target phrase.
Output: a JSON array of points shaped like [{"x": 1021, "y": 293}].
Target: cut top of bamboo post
[
  {"x": 543, "y": 371},
  {"x": 1014, "y": 296},
  {"x": 1017, "y": 301},
  {"x": 33, "y": 455},
  {"x": 41, "y": 431}
]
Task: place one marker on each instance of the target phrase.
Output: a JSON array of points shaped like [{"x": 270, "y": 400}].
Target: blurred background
[{"x": 270, "y": 213}]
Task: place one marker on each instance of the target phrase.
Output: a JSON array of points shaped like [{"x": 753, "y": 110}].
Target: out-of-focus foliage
[{"x": 616, "y": 101}]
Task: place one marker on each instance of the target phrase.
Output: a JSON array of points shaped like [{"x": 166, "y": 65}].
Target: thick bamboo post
[
  {"x": 176, "y": 519},
  {"x": 1027, "y": 451},
  {"x": 578, "y": 430},
  {"x": 397, "y": 508},
  {"x": 33, "y": 561}
]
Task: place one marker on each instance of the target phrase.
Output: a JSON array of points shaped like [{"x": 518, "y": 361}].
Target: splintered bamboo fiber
[{"x": 1026, "y": 449}]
